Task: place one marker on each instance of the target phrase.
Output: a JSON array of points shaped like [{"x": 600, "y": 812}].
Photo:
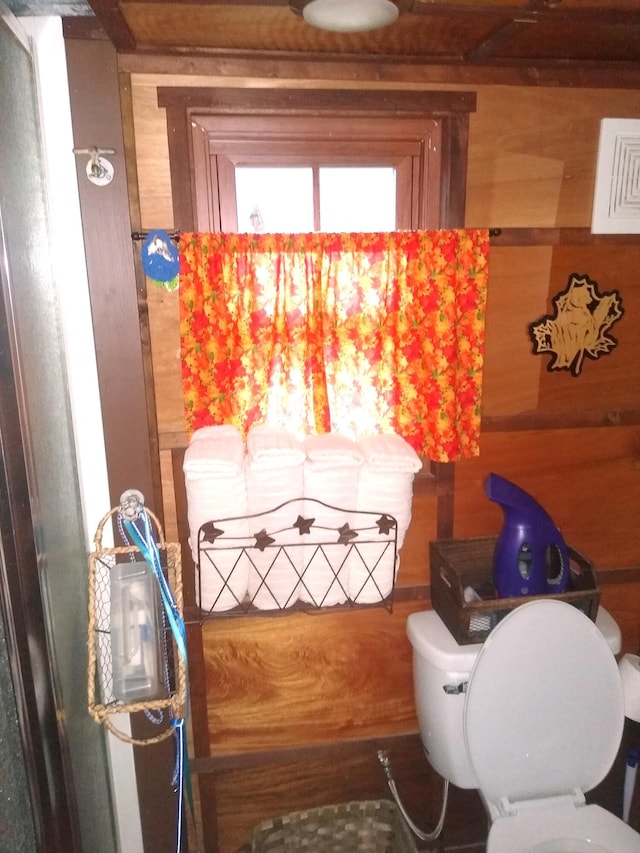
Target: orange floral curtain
[{"x": 348, "y": 333}]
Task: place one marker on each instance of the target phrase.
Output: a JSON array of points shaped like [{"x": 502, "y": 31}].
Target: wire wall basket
[
  {"x": 301, "y": 555},
  {"x": 116, "y": 576}
]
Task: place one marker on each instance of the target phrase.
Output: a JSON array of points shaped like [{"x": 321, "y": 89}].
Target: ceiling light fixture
[{"x": 348, "y": 16}]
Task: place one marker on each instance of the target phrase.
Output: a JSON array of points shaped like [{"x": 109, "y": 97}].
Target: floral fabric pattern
[{"x": 350, "y": 333}]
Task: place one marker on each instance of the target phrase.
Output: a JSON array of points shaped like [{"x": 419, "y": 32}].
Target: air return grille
[{"x": 616, "y": 204}]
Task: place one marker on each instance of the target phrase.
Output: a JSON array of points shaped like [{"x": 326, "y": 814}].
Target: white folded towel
[
  {"x": 330, "y": 451},
  {"x": 274, "y": 576},
  {"x": 386, "y": 490},
  {"x": 216, "y": 489},
  {"x": 214, "y": 451},
  {"x": 223, "y": 575},
  {"x": 276, "y": 558},
  {"x": 224, "y": 568},
  {"x": 273, "y": 447},
  {"x": 389, "y": 452}
]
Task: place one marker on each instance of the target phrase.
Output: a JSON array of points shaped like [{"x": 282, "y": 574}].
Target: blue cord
[{"x": 147, "y": 545}]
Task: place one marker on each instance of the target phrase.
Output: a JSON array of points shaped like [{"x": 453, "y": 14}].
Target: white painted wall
[{"x": 70, "y": 275}]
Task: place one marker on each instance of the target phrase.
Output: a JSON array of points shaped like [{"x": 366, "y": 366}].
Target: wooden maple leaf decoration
[{"x": 579, "y": 325}]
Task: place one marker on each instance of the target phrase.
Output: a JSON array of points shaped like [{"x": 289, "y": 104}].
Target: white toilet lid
[{"x": 544, "y": 709}]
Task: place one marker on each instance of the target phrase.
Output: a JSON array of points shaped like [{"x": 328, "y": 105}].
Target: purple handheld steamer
[{"x": 531, "y": 557}]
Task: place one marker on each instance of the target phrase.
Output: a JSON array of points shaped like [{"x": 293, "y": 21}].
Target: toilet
[{"x": 532, "y": 718}]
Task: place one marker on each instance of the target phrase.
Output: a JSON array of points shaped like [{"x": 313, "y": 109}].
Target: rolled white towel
[
  {"x": 214, "y": 497},
  {"x": 389, "y": 452},
  {"x": 389, "y": 492},
  {"x": 214, "y": 451},
  {"x": 273, "y": 447},
  {"x": 331, "y": 450},
  {"x": 372, "y": 571},
  {"x": 223, "y": 572},
  {"x": 276, "y": 558},
  {"x": 224, "y": 569},
  {"x": 325, "y": 581},
  {"x": 274, "y": 576},
  {"x": 216, "y": 488}
]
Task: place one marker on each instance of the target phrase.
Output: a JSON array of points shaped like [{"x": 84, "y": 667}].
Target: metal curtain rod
[
  {"x": 175, "y": 235},
  {"x": 142, "y": 235}
]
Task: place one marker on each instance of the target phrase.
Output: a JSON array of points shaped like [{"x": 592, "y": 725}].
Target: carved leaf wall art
[{"x": 579, "y": 326}]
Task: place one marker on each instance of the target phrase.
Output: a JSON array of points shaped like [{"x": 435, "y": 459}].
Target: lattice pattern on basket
[
  {"x": 102, "y": 703},
  {"x": 301, "y": 554},
  {"x": 373, "y": 826}
]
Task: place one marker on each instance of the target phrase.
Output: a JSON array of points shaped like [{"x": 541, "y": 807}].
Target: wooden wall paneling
[
  {"x": 153, "y": 173},
  {"x": 307, "y": 678},
  {"x": 126, "y": 107},
  {"x": 445, "y": 477},
  {"x": 587, "y": 479},
  {"x": 523, "y": 282},
  {"x": 533, "y": 152},
  {"x": 454, "y": 170},
  {"x": 180, "y": 160},
  {"x": 163, "y": 310},
  {"x": 414, "y": 555},
  {"x": 517, "y": 294},
  {"x": 168, "y": 497},
  {"x": 612, "y": 381}
]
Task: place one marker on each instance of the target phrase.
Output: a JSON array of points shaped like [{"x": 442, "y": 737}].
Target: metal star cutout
[
  {"x": 385, "y": 525},
  {"x": 210, "y": 532},
  {"x": 263, "y": 540},
  {"x": 346, "y": 534},
  {"x": 304, "y": 525}
]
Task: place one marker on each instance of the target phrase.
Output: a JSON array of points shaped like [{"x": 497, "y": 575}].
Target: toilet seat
[
  {"x": 543, "y": 720},
  {"x": 586, "y": 829}
]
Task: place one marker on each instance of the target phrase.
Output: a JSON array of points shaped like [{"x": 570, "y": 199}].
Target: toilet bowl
[{"x": 532, "y": 718}]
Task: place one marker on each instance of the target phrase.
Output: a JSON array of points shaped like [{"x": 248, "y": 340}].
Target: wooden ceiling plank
[
  {"x": 110, "y": 16},
  {"x": 376, "y": 74},
  {"x": 496, "y": 41},
  {"x": 534, "y": 34}
]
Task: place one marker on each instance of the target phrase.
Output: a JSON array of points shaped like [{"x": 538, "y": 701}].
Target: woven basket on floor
[{"x": 374, "y": 826}]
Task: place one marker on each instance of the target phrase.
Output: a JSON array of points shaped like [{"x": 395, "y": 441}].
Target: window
[
  {"x": 311, "y": 139},
  {"x": 326, "y": 198},
  {"x": 300, "y": 161}
]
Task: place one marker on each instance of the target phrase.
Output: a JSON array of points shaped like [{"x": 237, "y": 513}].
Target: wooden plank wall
[{"x": 291, "y": 710}]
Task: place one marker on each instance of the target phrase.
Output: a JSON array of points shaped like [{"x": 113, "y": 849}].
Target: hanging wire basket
[{"x": 103, "y": 703}]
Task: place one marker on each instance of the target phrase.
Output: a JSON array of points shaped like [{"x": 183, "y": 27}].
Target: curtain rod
[
  {"x": 175, "y": 235},
  {"x": 142, "y": 235}
]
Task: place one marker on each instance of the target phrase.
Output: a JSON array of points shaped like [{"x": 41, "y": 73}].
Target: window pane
[
  {"x": 274, "y": 200},
  {"x": 357, "y": 199}
]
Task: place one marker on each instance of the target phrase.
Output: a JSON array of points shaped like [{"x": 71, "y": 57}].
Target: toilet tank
[{"x": 441, "y": 669}]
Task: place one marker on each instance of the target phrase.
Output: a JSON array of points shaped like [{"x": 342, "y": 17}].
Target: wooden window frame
[{"x": 429, "y": 128}]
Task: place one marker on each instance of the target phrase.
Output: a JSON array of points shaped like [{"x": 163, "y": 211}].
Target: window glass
[
  {"x": 281, "y": 199},
  {"x": 272, "y": 200},
  {"x": 357, "y": 199}
]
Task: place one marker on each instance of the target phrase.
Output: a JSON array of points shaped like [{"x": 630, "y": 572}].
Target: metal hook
[
  {"x": 99, "y": 170},
  {"x": 131, "y": 504}
]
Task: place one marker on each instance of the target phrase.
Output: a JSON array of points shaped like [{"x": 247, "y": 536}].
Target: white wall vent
[{"x": 616, "y": 203}]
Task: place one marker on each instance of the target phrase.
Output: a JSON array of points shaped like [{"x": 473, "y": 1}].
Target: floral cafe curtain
[{"x": 349, "y": 333}]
